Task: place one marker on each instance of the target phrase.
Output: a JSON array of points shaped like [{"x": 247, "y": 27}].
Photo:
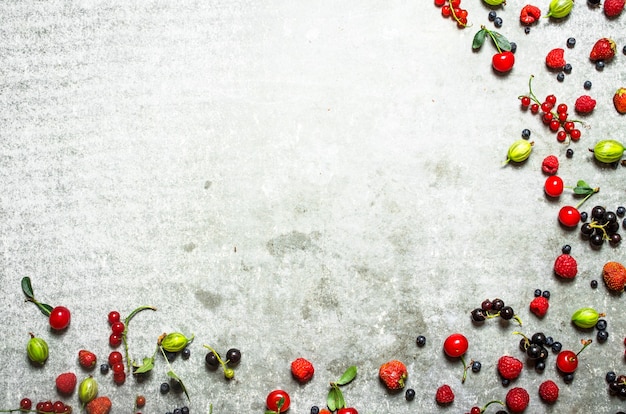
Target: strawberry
[
  {"x": 555, "y": 60},
  {"x": 66, "y": 383},
  {"x": 549, "y": 392},
  {"x": 509, "y": 367},
  {"x": 603, "y": 49},
  {"x": 393, "y": 374},
  {"x": 566, "y": 266},
  {"x": 99, "y": 405},
  {"x": 539, "y": 306},
  {"x": 614, "y": 275},
  {"x": 619, "y": 100},
  {"x": 444, "y": 395},
  {"x": 584, "y": 104},
  {"x": 86, "y": 359},
  {"x": 302, "y": 370},
  {"x": 517, "y": 400},
  {"x": 550, "y": 165},
  {"x": 613, "y": 8}
]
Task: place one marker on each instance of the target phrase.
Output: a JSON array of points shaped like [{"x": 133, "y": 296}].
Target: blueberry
[
  {"x": 184, "y": 410},
  {"x": 602, "y": 336},
  {"x": 540, "y": 366},
  {"x": 177, "y": 411},
  {"x": 567, "y": 68},
  {"x": 610, "y": 376},
  {"x": 315, "y": 409},
  {"x": 620, "y": 211},
  {"x": 526, "y": 133},
  {"x": 566, "y": 249},
  {"x": 556, "y": 347},
  {"x": 624, "y": 50},
  {"x": 476, "y": 366},
  {"x": 513, "y": 47},
  {"x": 421, "y": 340},
  {"x": 583, "y": 215},
  {"x": 104, "y": 369},
  {"x": 527, "y": 29},
  {"x": 505, "y": 382},
  {"x": 601, "y": 324},
  {"x": 569, "y": 153},
  {"x": 165, "y": 388},
  {"x": 600, "y": 65},
  {"x": 593, "y": 2},
  {"x": 567, "y": 378},
  {"x": 548, "y": 341},
  {"x": 491, "y": 16},
  {"x": 594, "y": 284},
  {"x": 497, "y": 22},
  {"x": 560, "y": 77},
  {"x": 537, "y": 293},
  {"x": 571, "y": 42},
  {"x": 171, "y": 356},
  {"x": 186, "y": 353},
  {"x": 546, "y": 294},
  {"x": 409, "y": 394},
  {"x": 587, "y": 85}
]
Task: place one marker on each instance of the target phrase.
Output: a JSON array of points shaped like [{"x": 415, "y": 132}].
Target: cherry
[
  {"x": 569, "y": 216},
  {"x": 553, "y": 186},
  {"x": 60, "y": 318},
  {"x": 455, "y": 345},
  {"x": 347, "y": 410},
  {"x": 567, "y": 361},
  {"x": 278, "y": 401},
  {"x": 503, "y": 61}
]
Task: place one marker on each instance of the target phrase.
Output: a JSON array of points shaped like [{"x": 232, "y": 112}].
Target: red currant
[
  {"x": 440, "y": 3},
  {"x": 115, "y": 340},
  {"x": 26, "y": 404},
  {"x": 39, "y": 406},
  {"x": 117, "y": 368},
  {"x": 58, "y": 407},
  {"x": 569, "y": 216},
  {"x": 503, "y": 62},
  {"x": 118, "y": 327},
  {"x": 575, "y": 134},
  {"x": 462, "y": 14},
  {"x": 553, "y": 186},
  {"x": 446, "y": 11},
  {"x": 60, "y": 318},
  {"x": 119, "y": 377},
  {"x": 114, "y": 316},
  {"x": 455, "y": 3},
  {"x": 534, "y": 108},
  {"x": 554, "y": 125},
  {"x": 475, "y": 410},
  {"x": 115, "y": 357},
  {"x": 567, "y": 361},
  {"x": 561, "y": 109},
  {"x": 547, "y": 118},
  {"x": 568, "y": 126},
  {"x": 525, "y": 100},
  {"x": 551, "y": 99},
  {"x": 140, "y": 401},
  {"x": 48, "y": 407},
  {"x": 274, "y": 398},
  {"x": 561, "y": 136},
  {"x": 455, "y": 345},
  {"x": 563, "y": 116},
  {"x": 546, "y": 107}
]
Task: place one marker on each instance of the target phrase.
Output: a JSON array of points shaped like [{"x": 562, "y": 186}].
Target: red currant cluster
[
  {"x": 557, "y": 121},
  {"x": 451, "y": 8},
  {"x": 45, "y": 406},
  {"x": 117, "y": 329},
  {"x": 116, "y": 362}
]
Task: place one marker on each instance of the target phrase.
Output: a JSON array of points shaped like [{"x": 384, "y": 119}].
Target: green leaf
[
  {"x": 45, "y": 308},
  {"x": 27, "y": 288},
  {"x": 347, "y": 376},
  {"x": 583, "y": 190},
  {"x": 479, "y": 39},
  {"x": 148, "y": 364},
  {"x": 331, "y": 400},
  {"x": 501, "y": 41},
  {"x": 173, "y": 375}
]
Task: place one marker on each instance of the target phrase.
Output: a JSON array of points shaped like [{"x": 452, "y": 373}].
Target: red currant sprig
[{"x": 451, "y": 8}]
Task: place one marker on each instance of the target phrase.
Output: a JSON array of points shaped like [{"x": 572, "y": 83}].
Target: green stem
[
  {"x": 124, "y": 334},
  {"x": 493, "y": 38},
  {"x": 595, "y": 190},
  {"x": 464, "y": 370},
  {"x": 585, "y": 345}
]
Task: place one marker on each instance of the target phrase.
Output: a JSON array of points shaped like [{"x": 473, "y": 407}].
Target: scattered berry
[
  {"x": 584, "y": 104},
  {"x": 549, "y": 392},
  {"x": 619, "y": 100},
  {"x": 539, "y": 306},
  {"x": 587, "y": 85},
  {"x": 614, "y": 276},
  {"x": 278, "y": 401},
  {"x": 517, "y": 400},
  {"x": 59, "y": 318},
  {"x": 603, "y": 50},
  {"x": 571, "y": 42},
  {"x": 509, "y": 367},
  {"x": 86, "y": 359},
  {"x": 409, "y": 394},
  {"x": 393, "y": 374},
  {"x": 302, "y": 370},
  {"x": 550, "y": 165},
  {"x": 444, "y": 395},
  {"x": 99, "y": 405},
  {"x": 555, "y": 59},
  {"x": 566, "y": 266},
  {"x": 66, "y": 383},
  {"x": 613, "y": 8},
  {"x": 420, "y": 340}
]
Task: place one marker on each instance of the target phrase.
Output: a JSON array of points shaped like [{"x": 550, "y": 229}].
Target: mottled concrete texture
[{"x": 294, "y": 179}]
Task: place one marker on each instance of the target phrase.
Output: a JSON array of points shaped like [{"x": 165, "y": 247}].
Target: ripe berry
[
  {"x": 409, "y": 394},
  {"x": 140, "y": 401},
  {"x": 421, "y": 340},
  {"x": 567, "y": 361},
  {"x": 526, "y": 133},
  {"x": 569, "y": 216},
  {"x": 233, "y": 356},
  {"x": 26, "y": 404},
  {"x": 115, "y": 340},
  {"x": 117, "y": 327},
  {"x": 569, "y": 153},
  {"x": 115, "y": 357},
  {"x": 104, "y": 369},
  {"x": 114, "y": 316},
  {"x": 59, "y": 317},
  {"x": 587, "y": 85},
  {"x": 571, "y": 42},
  {"x": 503, "y": 62},
  {"x": 164, "y": 388},
  {"x": 553, "y": 186},
  {"x": 492, "y": 16},
  {"x": 525, "y": 101},
  {"x": 274, "y": 399},
  {"x": 455, "y": 345}
]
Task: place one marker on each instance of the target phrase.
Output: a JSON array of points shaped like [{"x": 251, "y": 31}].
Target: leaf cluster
[
  {"x": 500, "y": 41},
  {"x": 335, "y": 399}
]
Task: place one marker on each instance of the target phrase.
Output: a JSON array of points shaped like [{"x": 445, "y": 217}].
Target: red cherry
[
  {"x": 274, "y": 398},
  {"x": 553, "y": 186},
  {"x": 569, "y": 216},
  {"x": 503, "y": 62},
  {"x": 60, "y": 318},
  {"x": 347, "y": 410},
  {"x": 567, "y": 361},
  {"x": 455, "y": 345}
]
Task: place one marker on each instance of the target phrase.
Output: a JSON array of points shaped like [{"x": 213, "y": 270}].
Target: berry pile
[
  {"x": 179, "y": 410},
  {"x": 47, "y": 406},
  {"x": 604, "y": 225},
  {"x": 452, "y": 9},
  {"x": 554, "y": 116},
  {"x": 493, "y": 309},
  {"x": 617, "y": 384},
  {"x": 536, "y": 348}
]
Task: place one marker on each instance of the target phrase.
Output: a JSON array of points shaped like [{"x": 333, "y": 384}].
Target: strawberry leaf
[{"x": 479, "y": 39}]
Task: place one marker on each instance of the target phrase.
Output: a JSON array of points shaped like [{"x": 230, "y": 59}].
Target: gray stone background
[{"x": 294, "y": 179}]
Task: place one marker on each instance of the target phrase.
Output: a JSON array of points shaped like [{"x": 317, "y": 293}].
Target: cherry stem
[
  {"x": 585, "y": 343},
  {"x": 595, "y": 190},
  {"x": 464, "y": 370},
  {"x": 493, "y": 38},
  {"x": 489, "y": 403}
]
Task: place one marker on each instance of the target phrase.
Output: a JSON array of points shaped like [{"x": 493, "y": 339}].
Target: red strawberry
[
  {"x": 613, "y": 8},
  {"x": 539, "y": 306},
  {"x": 86, "y": 359},
  {"x": 99, "y": 405},
  {"x": 549, "y": 391},
  {"x": 554, "y": 59},
  {"x": 619, "y": 100},
  {"x": 302, "y": 370},
  {"x": 566, "y": 266},
  {"x": 517, "y": 400},
  {"x": 603, "y": 49},
  {"x": 66, "y": 383},
  {"x": 614, "y": 275},
  {"x": 393, "y": 374},
  {"x": 584, "y": 104},
  {"x": 444, "y": 395},
  {"x": 550, "y": 165},
  {"x": 509, "y": 367}
]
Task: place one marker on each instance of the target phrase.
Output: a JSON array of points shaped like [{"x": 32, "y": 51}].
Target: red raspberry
[
  {"x": 566, "y": 266},
  {"x": 584, "y": 104},
  {"x": 66, "y": 383},
  {"x": 613, "y": 8},
  {"x": 550, "y": 165},
  {"x": 509, "y": 367},
  {"x": 444, "y": 395},
  {"x": 555, "y": 60},
  {"x": 302, "y": 370},
  {"x": 539, "y": 306},
  {"x": 549, "y": 391},
  {"x": 517, "y": 400}
]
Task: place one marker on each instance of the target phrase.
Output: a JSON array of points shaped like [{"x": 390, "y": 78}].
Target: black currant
[
  {"x": 186, "y": 353},
  {"x": 507, "y": 313},
  {"x": 597, "y": 212},
  {"x": 596, "y": 240},
  {"x": 571, "y": 42},
  {"x": 164, "y": 388},
  {"x": 569, "y": 153},
  {"x": 610, "y": 376},
  {"x": 497, "y": 304},
  {"x": 233, "y": 355},
  {"x": 478, "y": 315},
  {"x": 533, "y": 351},
  {"x": 601, "y": 324},
  {"x": 421, "y": 340},
  {"x": 184, "y": 410},
  {"x": 620, "y": 211},
  {"x": 540, "y": 366},
  {"x": 211, "y": 360},
  {"x": 568, "y": 378},
  {"x": 409, "y": 394},
  {"x": 538, "y": 338},
  {"x": 602, "y": 336}
]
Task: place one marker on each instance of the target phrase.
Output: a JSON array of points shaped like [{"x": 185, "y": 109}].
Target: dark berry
[
  {"x": 533, "y": 351},
  {"x": 601, "y": 324},
  {"x": 505, "y": 382},
  {"x": 486, "y": 305},
  {"x": 497, "y": 22},
  {"x": 561, "y": 76},
  {"x": 233, "y": 355},
  {"x": 567, "y": 378},
  {"x": 569, "y": 153},
  {"x": 596, "y": 240},
  {"x": 620, "y": 211},
  {"x": 409, "y": 394},
  {"x": 525, "y": 133},
  {"x": 164, "y": 388},
  {"x": 497, "y": 304},
  {"x": 537, "y": 293},
  {"x": 524, "y": 344},
  {"x": 476, "y": 366},
  {"x": 184, "y": 410},
  {"x": 186, "y": 353},
  {"x": 566, "y": 249},
  {"x": 527, "y": 29},
  {"x": 610, "y": 376},
  {"x": 540, "y": 366},
  {"x": 507, "y": 313},
  {"x": 492, "y": 15},
  {"x": 602, "y": 336},
  {"x": 171, "y": 356},
  {"x": 556, "y": 347},
  {"x": 593, "y": 2},
  {"x": 478, "y": 315},
  {"x": 571, "y": 42},
  {"x": 211, "y": 360},
  {"x": 597, "y": 213},
  {"x": 583, "y": 215},
  {"x": 421, "y": 340},
  {"x": 315, "y": 410},
  {"x": 594, "y": 284},
  {"x": 538, "y": 338},
  {"x": 624, "y": 50},
  {"x": 548, "y": 341},
  {"x": 513, "y": 47},
  {"x": 546, "y": 294},
  {"x": 587, "y": 85},
  {"x": 177, "y": 411},
  {"x": 600, "y": 65}
]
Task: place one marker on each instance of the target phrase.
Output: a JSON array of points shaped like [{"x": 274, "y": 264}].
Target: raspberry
[
  {"x": 66, "y": 383},
  {"x": 566, "y": 266},
  {"x": 555, "y": 60},
  {"x": 302, "y": 370},
  {"x": 444, "y": 395},
  {"x": 550, "y": 165},
  {"x": 613, "y": 8},
  {"x": 549, "y": 391},
  {"x": 539, "y": 306},
  {"x": 517, "y": 400},
  {"x": 614, "y": 275},
  {"x": 584, "y": 104},
  {"x": 509, "y": 367},
  {"x": 99, "y": 405}
]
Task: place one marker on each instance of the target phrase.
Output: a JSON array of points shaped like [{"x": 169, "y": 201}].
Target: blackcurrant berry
[
  {"x": 513, "y": 47},
  {"x": 505, "y": 382},
  {"x": 594, "y": 284},
  {"x": 478, "y": 315},
  {"x": 571, "y": 42},
  {"x": 476, "y": 366},
  {"x": 615, "y": 238},
  {"x": 620, "y": 211},
  {"x": 538, "y": 338},
  {"x": 602, "y": 336},
  {"x": 596, "y": 240},
  {"x": 569, "y": 153},
  {"x": 186, "y": 353},
  {"x": 211, "y": 360},
  {"x": 164, "y": 388},
  {"x": 409, "y": 394},
  {"x": 420, "y": 340},
  {"x": 610, "y": 376},
  {"x": 533, "y": 351},
  {"x": 567, "y": 378},
  {"x": 184, "y": 410},
  {"x": 233, "y": 355},
  {"x": 593, "y": 2},
  {"x": 497, "y": 304},
  {"x": 601, "y": 324},
  {"x": 556, "y": 347},
  {"x": 540, "y": 366},
  {"x": 507, "y": 313},
  {"x": 527, "y": 29},
  {"x": 177, "y": 411}
]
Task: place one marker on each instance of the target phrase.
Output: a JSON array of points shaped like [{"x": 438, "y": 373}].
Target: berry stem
[
  {"x": 465, "y": 367},
  {"x": 454, "y": 16},
  {"x": 595, "y": 190},
  {"x": 228, "y": 372},
  {"x": 172, "y": 374},
  {"x": 493, "y": 38},
  {"x": 125, "y": 333},
  {"x": 585, "y": 343}
]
